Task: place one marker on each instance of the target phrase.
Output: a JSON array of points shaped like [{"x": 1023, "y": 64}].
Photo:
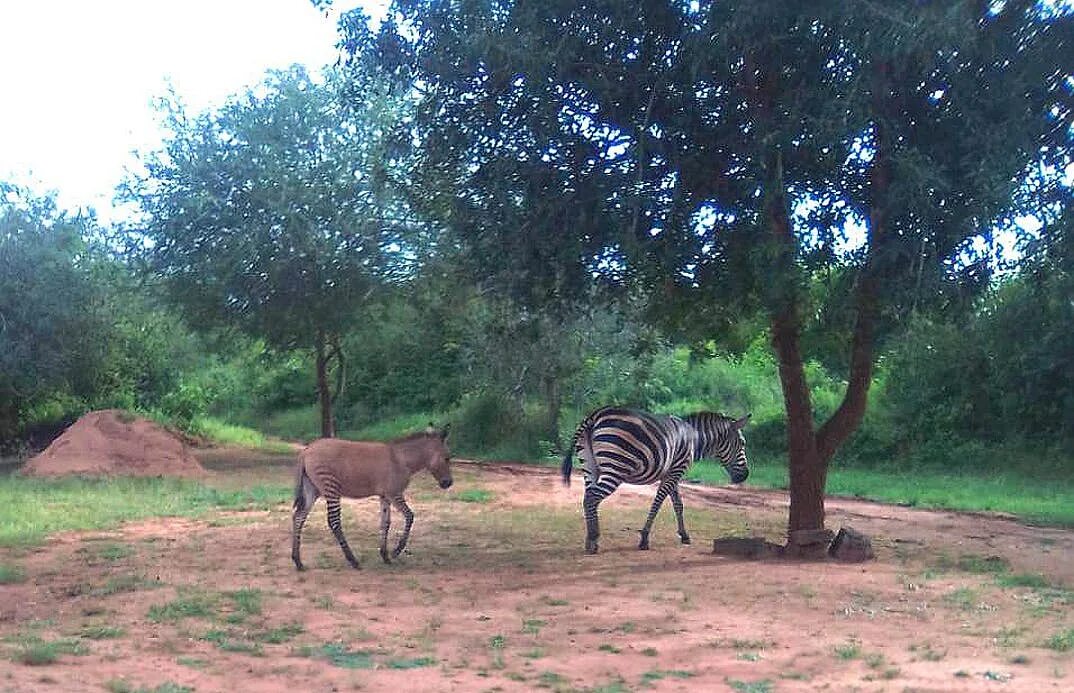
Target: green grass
[
  {"x": 226, "y": 642},
  {"x": 1062, "y": 641},
  {"x": 1030, "y": 497},
  {"x": 847, "y": 651},
  {"x": 411, "y": 663},
  {"x": 338, "y": 655},
  {"x": 246, "y": 601},
  {"x": 224, "y": 433},
  {"x": 474, "y": 495},
  {"x": 396, "y": 427},
  {"x": 189, "y": 604},
  {"x": 121, "y": 686},
  {"x": 1034, "y": 580},
  {"x": 280, "y": 634},
  {"x": 11, "y": 573},
  {"x": 659, "y": 674},
  {"x": 35, "y": 651},
  {"x": 31, "y": 509},
  {"x": 762, "y": 686},
  {"x": 114, "y": 552},
  {"x": 101, "y": 632}
]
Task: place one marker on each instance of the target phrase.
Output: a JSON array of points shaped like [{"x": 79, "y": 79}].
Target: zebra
[{"x": 618, "y": 445}]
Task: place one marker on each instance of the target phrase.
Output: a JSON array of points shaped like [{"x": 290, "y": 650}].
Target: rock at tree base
[
  {"x": 809, "y": 544},
  {"x": 114, "y": 443},
  {"x": 745, "y": 547},
  {"x": 851, "y": 546}
]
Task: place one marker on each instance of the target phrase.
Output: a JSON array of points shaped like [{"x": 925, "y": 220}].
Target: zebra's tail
[{"x": 567, "y": 466}]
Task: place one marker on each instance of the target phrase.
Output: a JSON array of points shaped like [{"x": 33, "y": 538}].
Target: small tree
[{"x": 267, "y": 215}]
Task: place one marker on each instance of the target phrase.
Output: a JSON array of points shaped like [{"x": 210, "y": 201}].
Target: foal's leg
[
  {"x": 305, "y": 495},
  {"x": 402, "y": 507},
  {"x": 385, "y": 523},
  {"x": 594, "y": 494},
  {"x": 666, "y": 486},
  {"x": 676, "y": 502},
  {"x": 337, "y": 530}
]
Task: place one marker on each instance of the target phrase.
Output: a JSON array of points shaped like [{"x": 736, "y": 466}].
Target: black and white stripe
[{"x": 618, "y": 445}]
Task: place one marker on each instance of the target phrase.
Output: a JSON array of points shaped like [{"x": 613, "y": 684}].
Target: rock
[
  {"x": 851, "y": 546},
  {"x": 745, "y": 547},
  {"x": 809, "y": 544}
]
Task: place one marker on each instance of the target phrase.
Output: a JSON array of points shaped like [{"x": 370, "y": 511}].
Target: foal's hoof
[
  {"x": 684, "y": 538},
  {"x": 643, "y": 544},
  {"x": 590, "y": 547},
  {"x": 299, "y": 567}
]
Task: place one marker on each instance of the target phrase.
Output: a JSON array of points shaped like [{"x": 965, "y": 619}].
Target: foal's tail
[{"x": 303, "y": 485}]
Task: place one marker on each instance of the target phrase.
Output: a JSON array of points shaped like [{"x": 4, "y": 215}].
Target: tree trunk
[
  {"x": 324, "y": 393},
  {"x": 808, "y": 470}
]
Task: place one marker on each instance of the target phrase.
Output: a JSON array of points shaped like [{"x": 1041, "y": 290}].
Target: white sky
[{"x": 77, "y": 77}]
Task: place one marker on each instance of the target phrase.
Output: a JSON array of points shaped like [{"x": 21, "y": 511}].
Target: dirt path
[{"x": 496, "y": 594}]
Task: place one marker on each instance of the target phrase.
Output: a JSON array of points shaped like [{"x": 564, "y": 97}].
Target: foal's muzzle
[{"x": 446, "y": 483}]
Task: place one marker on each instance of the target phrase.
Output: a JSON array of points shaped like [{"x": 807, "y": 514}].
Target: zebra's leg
[
  {"x": 676, "y": 502},
  {"x": 594, "y": 494},
  {"x": 385, "y": 524},
  {"x": 337, "y": 530},
  {"x": 666, "y": 487},
  {"x": 408, "y": 514},
  {"x": 305, "y": 496}
]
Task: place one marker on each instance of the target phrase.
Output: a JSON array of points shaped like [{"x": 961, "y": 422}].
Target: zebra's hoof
[
  {"x": 397, "y": 552},
  {"x": 299, "y": 567},
  {"x": 384, "y": 556},
  {"x": 591, "y": 547},
  {"x": 643, "y": 546},
  {"x": 685, "y": 538}
]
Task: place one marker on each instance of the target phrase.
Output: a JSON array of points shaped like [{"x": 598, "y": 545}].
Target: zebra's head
[
  {"x": 735, "y": 463},
  {"x": 720, "y": 437}
]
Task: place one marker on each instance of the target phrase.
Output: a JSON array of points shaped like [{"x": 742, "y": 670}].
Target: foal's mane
[{"x": 413, "y": 437}]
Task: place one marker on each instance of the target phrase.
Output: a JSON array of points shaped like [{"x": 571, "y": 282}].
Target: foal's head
[{"x": 439, "y": 456}]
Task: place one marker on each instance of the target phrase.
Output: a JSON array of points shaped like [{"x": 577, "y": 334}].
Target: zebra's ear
[{"x": 741, "y": 423}]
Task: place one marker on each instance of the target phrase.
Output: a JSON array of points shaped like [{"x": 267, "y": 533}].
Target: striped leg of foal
[
  {"x": 385, "y": 525},
  {"x": 337, "y": 530},
  {"x": 676, "y": 502},
  {"x": 297, "y": 523},
  {"x": 408, "y": 515}
]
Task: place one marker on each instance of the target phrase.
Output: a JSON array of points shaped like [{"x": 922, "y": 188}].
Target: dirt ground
[{"x": 495, "y": 593}]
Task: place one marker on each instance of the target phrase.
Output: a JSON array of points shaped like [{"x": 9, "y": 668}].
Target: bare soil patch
[
  {"x": 111, "y": 442},
  {"x": 496, "y": 594}
]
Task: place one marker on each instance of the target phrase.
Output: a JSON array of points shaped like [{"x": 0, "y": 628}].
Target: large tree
[
  {"x": 269, "y": 214},
  {"x": 712, "y": 153}
]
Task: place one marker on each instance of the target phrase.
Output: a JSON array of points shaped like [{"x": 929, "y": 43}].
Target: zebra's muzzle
[
  {"x": 737, "y": 476},
  {"x": 446, "y": 483}
]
